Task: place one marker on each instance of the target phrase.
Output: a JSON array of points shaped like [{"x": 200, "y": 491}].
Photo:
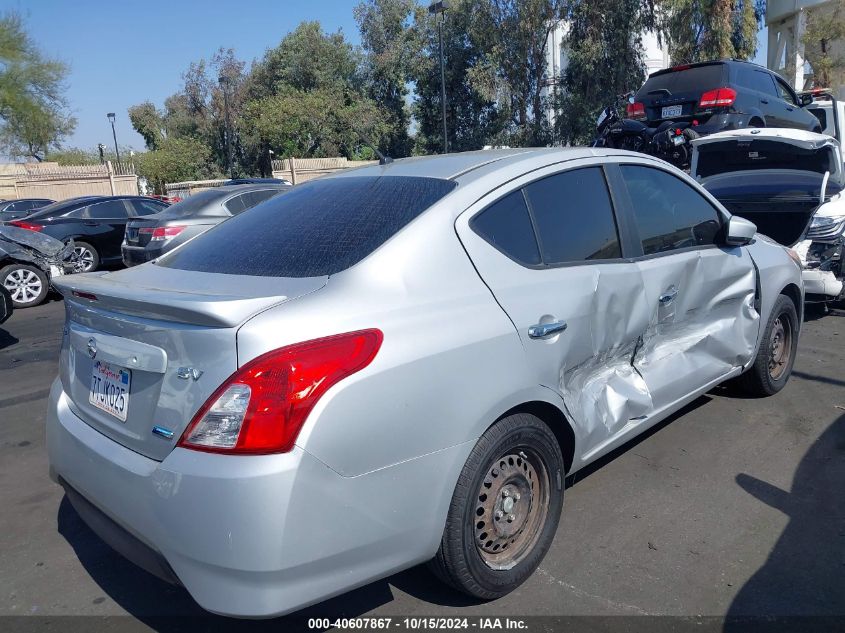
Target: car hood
[{"x": 43, "y": 244}]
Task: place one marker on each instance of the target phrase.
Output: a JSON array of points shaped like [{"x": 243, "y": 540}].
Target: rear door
[
  {"x": 104, "y": 224},
  {"x": 766, "y": 99},
  {"x": 702, "y": 320},
  {"x": 548, "y": 247}
]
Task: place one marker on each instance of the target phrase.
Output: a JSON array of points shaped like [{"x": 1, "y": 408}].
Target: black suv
[{"x": 721, "y": 95}]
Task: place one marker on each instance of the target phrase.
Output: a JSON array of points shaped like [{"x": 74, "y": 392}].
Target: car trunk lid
[{"x": 168, "y": 337}]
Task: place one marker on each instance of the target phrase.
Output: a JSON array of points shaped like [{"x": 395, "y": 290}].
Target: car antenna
[{"x": 382, "y": 159}]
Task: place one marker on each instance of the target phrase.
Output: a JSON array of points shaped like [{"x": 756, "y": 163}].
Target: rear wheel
[
  {"x": 773, "y": 364},
  {"x": 87, "y": 255},
  {"x": 26, "y": 284},
  {"x": 505, "y": 509}
]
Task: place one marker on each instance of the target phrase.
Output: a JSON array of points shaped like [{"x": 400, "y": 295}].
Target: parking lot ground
[{"x": 734, "y": 507}]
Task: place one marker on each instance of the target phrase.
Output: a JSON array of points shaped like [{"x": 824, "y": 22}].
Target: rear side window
[
  {"x": 698, "y": 79},
  {"x": 317, "y": 228},
  {"x": 110, "y": 210},
  {"x": 506, "y": 225},
  {"x": 668, "y": 212},
  {"x": 574, "y": 216}
]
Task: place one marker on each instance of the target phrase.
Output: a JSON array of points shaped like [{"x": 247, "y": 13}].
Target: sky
[{"x": 122, "y": 53}]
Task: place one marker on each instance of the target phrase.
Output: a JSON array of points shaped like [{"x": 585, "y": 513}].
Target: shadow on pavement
[
  {"x": 6, "y": 339},
  {"x": 803, "y": 575}
]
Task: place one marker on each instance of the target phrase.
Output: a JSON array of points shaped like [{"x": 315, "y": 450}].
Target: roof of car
[{"x": 454, "y": 166}]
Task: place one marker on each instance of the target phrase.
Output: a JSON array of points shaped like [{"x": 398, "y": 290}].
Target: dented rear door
[{"x": 548, "y": 248}]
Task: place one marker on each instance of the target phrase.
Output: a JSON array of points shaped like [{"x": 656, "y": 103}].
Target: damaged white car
[{"x": 789, "y": 183}]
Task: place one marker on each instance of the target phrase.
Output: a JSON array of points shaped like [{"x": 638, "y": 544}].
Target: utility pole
[
  {"x": 224, "y": 84},
  {"x": 438, "y": 9},
  {"x": 110, "y": 116}
]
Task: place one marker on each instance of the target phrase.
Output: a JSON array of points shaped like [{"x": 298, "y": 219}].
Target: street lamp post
[
  {"x": 110, "y": 116},
  {"x": 438, "y": 8},
  {"x": 223, "y": 80}
]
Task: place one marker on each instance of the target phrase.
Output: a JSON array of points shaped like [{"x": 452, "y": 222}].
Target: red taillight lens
[
  {"x": 261, "y": 408},
  {"x": 29, "y": 226},
  {"x": 161, "y": 233},
  {"x": 718, "y": 98},
  {"x": 635, "y": 110}
]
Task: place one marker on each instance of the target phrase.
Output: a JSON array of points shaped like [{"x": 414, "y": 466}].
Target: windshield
[{"x": 318, "y": 228}]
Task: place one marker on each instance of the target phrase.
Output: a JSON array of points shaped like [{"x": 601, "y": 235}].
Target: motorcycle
[{"x": 669, "y": 141}]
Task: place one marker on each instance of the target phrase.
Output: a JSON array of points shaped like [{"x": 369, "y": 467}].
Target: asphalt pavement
[{"x": 734, "y": 508}]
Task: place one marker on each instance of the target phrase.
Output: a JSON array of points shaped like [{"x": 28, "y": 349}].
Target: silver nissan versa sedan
[{"x": 400, "y": 364}]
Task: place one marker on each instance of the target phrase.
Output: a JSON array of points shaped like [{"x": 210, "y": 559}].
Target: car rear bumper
[
  {"x": 134, "y": 255},
  {"x": 252, "y": 536}
]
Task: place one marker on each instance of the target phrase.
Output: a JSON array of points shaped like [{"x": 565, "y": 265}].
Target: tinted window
[
  {"x": 697, "y": 79},
  {"x": 668, "y": 212},
  {"x": 506, "y": 225},
  {"x": 110, "y": 210},
  {"x": 574, "y": 216},
  {"x": 237, "y": 204},
  {"x": 207, "y": 202},
  {"x": 785, "y": 92},
  {"x": 61, "y": 208},
  {"x": 758, "y": 80},
  {"x": 318, "y": 228},
  {"x": 146, "y": 207}
]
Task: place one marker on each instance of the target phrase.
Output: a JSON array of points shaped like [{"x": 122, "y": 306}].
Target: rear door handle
[
  {"x": 542, "y": 330},
  {"x": 668, "y": 296}
]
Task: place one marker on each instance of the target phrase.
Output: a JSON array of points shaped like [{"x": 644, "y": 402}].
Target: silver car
[{"x": 401, "y": 364}]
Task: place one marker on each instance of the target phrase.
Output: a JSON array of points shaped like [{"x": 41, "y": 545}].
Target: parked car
[
  {"x": 400, "y": 364},
  {"x": 6, "y": 306},
  {"x": 14, "y": 209},
  {"x": 29, "y": 262},
  {"x": 96, "y": 224},
  {"x": 721, "y": 95},
  {"x": 830, "y": 112},
  {"x": 257, "y": 181},
  {"x": 151, "y": 236},
  {"x": 790, "y": 184}
]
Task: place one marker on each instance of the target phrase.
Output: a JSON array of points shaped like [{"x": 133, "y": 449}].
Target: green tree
[
  {"x": 604, "y": 49},
  {"x": 824, "y": 42},
  {"x": 389, "y": 45},
  {"x": 33, "y": 109},
  {"x": 176, "y": 160},
  {"x": 701, "y": 30},
  {"x": 149, "y": 123}
]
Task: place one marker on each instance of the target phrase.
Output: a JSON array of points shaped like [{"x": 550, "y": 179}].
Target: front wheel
[
  {"x": 26, "y": 284},
  {"x": 773, "y": 364},
  {"x": 505, "y": 509}
]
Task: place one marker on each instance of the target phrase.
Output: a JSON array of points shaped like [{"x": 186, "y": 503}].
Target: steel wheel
[
  {"x": 85, "y": 258},
  {"x": 24, "y": 285},
  {"x": 511, "y": 509},
  {"x": 780, "y": 347}
]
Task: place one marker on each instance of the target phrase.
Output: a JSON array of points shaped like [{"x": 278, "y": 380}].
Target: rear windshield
[
  {"x": 196, "y": 204},
  {"x": 317, "y": 228},
  {"x": 697, "y": 79},
  {"x": 718, "y": 158}
]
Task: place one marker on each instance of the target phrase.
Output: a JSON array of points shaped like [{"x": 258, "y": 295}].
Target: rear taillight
[
  {"x": 718, "y": 98},
  {"x": 261, "y": 408},
  {"x": 635, "y": 110},
  {"x": 29, "y": 226},
  {"x": 161, "y": 233}
]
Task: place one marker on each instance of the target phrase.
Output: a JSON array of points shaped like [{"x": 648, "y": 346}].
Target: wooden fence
[
  {"x": 295, "y": 170},
  {"x": 59, "y": 182}
]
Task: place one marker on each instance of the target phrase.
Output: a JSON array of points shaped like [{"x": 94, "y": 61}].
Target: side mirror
[
  {"x": 805, "y": 100},
  {"x": 740, "y": 231}
]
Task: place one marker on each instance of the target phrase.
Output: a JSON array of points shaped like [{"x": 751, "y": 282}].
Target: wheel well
[
  {"x": 794, "y": 294},
  {"x": 759, "y": 122},
  {"x": 556, "y": 421}
]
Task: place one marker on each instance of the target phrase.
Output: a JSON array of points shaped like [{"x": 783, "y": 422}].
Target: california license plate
[
  {"x": 110, "y": 389},
  {"x": 669, "y": 112}
]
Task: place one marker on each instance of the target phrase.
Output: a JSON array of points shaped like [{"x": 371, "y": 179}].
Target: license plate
[
  {"x": 678, "y": 140},
  {"x": 671, "y": 111},
  {"x": 110, "y": 389},
  {"x": 56, "y": 271}
]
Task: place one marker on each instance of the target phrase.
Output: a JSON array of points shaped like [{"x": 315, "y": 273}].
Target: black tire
[
  {"x": 518, "y": 458},
  {"x": 770, "y": 371},
  {"x": 27, "y": 284},
  {"x": 88, "y": 255}
]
